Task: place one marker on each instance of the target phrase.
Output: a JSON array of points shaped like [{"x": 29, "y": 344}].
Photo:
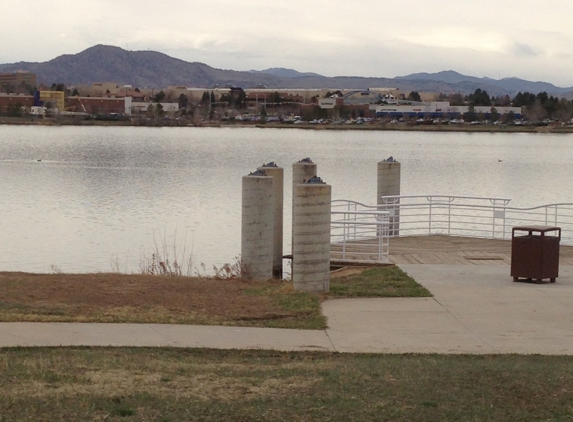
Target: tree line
[{"x": 536, "y": 107}]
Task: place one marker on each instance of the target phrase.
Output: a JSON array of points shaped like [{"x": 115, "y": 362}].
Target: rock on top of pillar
[{"x": 258, "y": 172}]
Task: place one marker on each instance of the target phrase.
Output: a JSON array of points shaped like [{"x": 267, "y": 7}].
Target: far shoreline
[{"x": 371, "y": 126}]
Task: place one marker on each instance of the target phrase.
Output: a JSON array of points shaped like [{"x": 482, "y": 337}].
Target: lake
[{"x": 85, "y": 199}]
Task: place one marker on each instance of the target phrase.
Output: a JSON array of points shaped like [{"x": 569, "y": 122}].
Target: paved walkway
[{"x": 476, "y": 309}]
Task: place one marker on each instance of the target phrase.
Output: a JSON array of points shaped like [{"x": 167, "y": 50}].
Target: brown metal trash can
[{"x": 535, "y": 254}]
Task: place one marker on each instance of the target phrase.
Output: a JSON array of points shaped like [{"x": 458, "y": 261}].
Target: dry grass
[
  {"x": 204, "y": 387},
  {"x": 95, "y": 384},
  {"x": 154, "y": 299},
  {"x": 123, "y": 298}
]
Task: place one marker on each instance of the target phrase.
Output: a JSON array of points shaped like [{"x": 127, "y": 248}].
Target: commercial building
[
  {"x": 437, "y": 110},
  {"x": 142, "y": 107},
  {"x": 99, "y": 105},
  {"x": 7, "y": 102},
  {"x": 61, "y": 104},
  {"x": 100, "y": 89},
  {"x": 54, "y": 98},
  {"x": 19, "y": 81}
]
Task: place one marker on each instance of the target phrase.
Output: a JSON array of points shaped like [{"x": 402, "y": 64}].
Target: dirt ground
[{"x": 141, "y": 298}]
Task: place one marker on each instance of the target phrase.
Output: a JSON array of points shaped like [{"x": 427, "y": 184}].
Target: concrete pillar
[
  {"x": 311, "y": 236},
  {"x": 389, "y": 184},
  {"x": 277, "y": 173},
  {"x": 302, "y": 171},
  {"x": 257, "y": 226}
]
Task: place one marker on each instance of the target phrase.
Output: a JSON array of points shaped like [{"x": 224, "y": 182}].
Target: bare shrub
[
  {"x": 235, "y": 271},
  {"x": 170, "y": 258},
  {"x": 55, "y": 269}
]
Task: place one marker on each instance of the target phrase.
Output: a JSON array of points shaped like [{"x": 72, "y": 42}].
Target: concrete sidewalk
[
  {"x": 160, "y": 335},
  {"x": 475, "y": 309}
]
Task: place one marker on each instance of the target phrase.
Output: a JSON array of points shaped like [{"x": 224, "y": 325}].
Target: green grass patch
[
  {"x": 143, "y": 384},
  {"x": 293, "y": 309},
  {"x": 377, "y": 282}
]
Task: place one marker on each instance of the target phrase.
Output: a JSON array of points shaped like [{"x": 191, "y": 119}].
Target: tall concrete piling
[
  {"x": 277, "y": 173},
  {"x": 302, "y": 171},
  {"x": 388, "y": 185},
  {"x": 311, "y": 236},
  {"x": 257, "y": 226}
]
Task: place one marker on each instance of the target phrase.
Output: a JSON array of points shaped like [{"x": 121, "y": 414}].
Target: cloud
[
  {"x": 334, "y": 37},
  {"x": 459, "y": 37},
  {"x": 522, "y": 49}
]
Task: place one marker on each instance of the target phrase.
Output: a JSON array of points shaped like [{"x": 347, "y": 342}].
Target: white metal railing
[
  {"x": 469, "y": 216},
  {"x": 359, "y": 233}
]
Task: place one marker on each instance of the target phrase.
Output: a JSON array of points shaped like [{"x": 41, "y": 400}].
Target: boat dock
[{"x": 449, "y": 250}]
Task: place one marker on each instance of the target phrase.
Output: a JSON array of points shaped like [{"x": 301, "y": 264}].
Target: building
[
  {"x": 100, "y": 89},
  {"x": 19, "y": 81},
  {"x": 371, "y": 96},
  {"x": 437, "y": 109},
  {"x": 8, "y": 102},
  {"x": 54, "y": 98},
  {"x": 330, "y": 103},
  {"x": 61, "y": 104},
  {"x": 142, "y": 107},
  {"x": 273, "y": 97},
  {"x": 99, "y": 105}
]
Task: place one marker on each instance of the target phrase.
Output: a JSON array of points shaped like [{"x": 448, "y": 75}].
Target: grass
[
  {"x": 93, "y": 384},
  {"x": 123, "y": 298},
  {"x": 377, "y": 282}
]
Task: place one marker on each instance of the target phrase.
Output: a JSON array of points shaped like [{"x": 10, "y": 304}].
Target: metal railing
[
  {"x": 469, "y": 216},
  {"x": 359, "y": 233}
]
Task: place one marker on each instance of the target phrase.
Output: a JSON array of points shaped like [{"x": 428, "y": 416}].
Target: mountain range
[{"x": 102, "y": 63}]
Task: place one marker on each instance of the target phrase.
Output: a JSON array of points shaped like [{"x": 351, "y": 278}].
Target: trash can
[{"x": 535, "y": 254}]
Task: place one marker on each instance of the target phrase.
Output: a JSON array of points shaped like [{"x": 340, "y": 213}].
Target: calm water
[{"x": 102, "y": 198}]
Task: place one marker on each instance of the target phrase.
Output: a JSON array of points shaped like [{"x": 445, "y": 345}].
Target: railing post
[
  {"x": 493, "y": 222},
  {"x": 430, "y": 219},
  {"x": 379, "y": 229},
  {"x": 345, "y": 234},
  {"x": 449, "y": 217},
  {"x": 504, "y": 205},
  {"x": 354, "y": 221}
]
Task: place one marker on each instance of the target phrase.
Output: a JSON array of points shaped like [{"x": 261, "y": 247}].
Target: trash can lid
[{"x": 541, "y": 229}]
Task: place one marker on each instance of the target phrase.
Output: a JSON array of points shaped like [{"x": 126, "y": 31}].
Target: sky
[{"x": 497, "y": 39}]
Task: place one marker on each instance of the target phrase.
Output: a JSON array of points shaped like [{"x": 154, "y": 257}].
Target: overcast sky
[{"x": 526, "y": 39}]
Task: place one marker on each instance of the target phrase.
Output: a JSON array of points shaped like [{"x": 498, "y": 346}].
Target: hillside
[
  {"x": 511, "y": 85},
  {"x": 138, "y": 68},
  {"x": 153, "y": 69}
]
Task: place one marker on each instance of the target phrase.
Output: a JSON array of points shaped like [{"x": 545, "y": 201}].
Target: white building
[
  {"x": 141, "y": 107},
  {"x": 436, "y": 109}
]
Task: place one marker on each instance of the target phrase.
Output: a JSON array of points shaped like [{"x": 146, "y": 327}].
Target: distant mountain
[
  {"x": 285, "y": 73},
  {"x": 507, "y": 85},
  {"x": 447, "y": 76},
  {"x": 103, "y": 63},
  {"x": 152, "y": 69}
]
